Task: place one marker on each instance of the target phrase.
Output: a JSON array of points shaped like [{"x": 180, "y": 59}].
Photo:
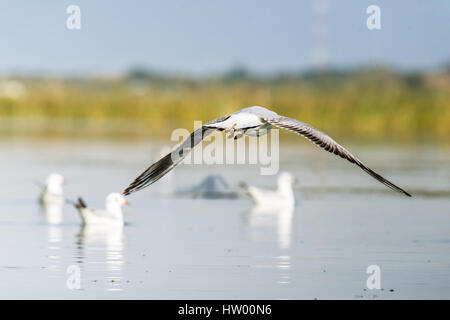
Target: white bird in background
[
  {"x": 253, "y": 121},
  {"x": 112, "y": 215},
  {"x": 282, "y": 197},
  {"x": 52, "y": 198},
  {"x": 212, "y": 187},
  {"x": 52, "y": 192}
]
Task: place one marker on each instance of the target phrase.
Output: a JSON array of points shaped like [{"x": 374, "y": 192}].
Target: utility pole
[{"x": 320, "y": 35}]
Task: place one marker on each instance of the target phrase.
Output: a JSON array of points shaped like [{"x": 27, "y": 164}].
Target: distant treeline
[{"x": 376, "y": 104}]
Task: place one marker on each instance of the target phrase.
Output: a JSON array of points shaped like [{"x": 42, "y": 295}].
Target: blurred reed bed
[{"x": 378, "y": 105}]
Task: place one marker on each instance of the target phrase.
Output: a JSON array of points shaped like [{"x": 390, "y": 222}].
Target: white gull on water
[
  {"x": 252, "y": 121},
  {"x": 112, "y": 215},
  {"x": 283, "y": 196},
  {"x": 52, "y": 192},
  {"x": 51, "y": 198}
]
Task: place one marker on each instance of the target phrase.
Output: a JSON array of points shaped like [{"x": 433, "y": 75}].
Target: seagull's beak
[
  {"x": 294, "y": 181},
  {"x": 126, "y": 203}
]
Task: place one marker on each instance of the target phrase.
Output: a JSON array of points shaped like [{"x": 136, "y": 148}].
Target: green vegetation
[{"x": 368, "y": 104}]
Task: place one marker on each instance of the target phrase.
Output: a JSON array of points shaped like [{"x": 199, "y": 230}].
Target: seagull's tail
[
  {"x": 245, "y": 187},
  {"x": 79, "y": 204},
  {"x": 41, "y": 186}
]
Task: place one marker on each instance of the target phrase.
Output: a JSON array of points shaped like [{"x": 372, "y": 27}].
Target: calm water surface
[{"x": 182, "y": 248}]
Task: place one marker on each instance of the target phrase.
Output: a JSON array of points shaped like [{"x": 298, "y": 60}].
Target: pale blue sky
[{"x": 204, "y": 36}]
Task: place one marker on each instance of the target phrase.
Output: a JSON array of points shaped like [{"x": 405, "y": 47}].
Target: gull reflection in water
[
  {"x": 280, "y": 217},
  {"x": 101, "y": 252},
  {"x": 284, "y": 266},
  {"x": 265, "y": 218},
  {"x": 53, "y": 212},
  {"x": 54, "y": 238}
]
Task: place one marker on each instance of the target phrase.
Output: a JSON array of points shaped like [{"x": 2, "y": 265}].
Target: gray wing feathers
[
  {"x": 160, "y": 168},
  {"x": 327, "y": 143}
]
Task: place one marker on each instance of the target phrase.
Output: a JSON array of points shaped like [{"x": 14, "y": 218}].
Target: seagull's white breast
[
  {"x": 100, "y": 217},
  {"x": 240, "y": 120}
]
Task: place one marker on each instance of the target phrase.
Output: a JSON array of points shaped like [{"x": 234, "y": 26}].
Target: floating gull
[
  {"x": 282, "y": 197},
  {"x": 112, "y": 215},
  {"x": 254, "y": 121},
  {"x": 212, "y": 187},
  {"x": 52, "y": 198},
  {"x": 52, "y": 191}
]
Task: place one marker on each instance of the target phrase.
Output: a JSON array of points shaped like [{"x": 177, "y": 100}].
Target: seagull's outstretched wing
[
  {"x": 325, "y": 142},
  {"x": 160, "y": 168}
]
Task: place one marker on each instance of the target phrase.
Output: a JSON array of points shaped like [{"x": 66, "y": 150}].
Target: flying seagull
[{"x": 253, "y": 121}]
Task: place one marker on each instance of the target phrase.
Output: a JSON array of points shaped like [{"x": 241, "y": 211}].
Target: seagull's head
[
  {"x": 54, "y": 183},
  {"x": 116, "y": 200},
  {"x": 286, "y": 179}
]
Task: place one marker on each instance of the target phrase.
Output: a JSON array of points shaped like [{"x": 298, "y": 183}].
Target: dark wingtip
[
  {"x": 396, "y": 188},
  {"x": 132, "y": 187},
  {"x": 155, "y": 172}
]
